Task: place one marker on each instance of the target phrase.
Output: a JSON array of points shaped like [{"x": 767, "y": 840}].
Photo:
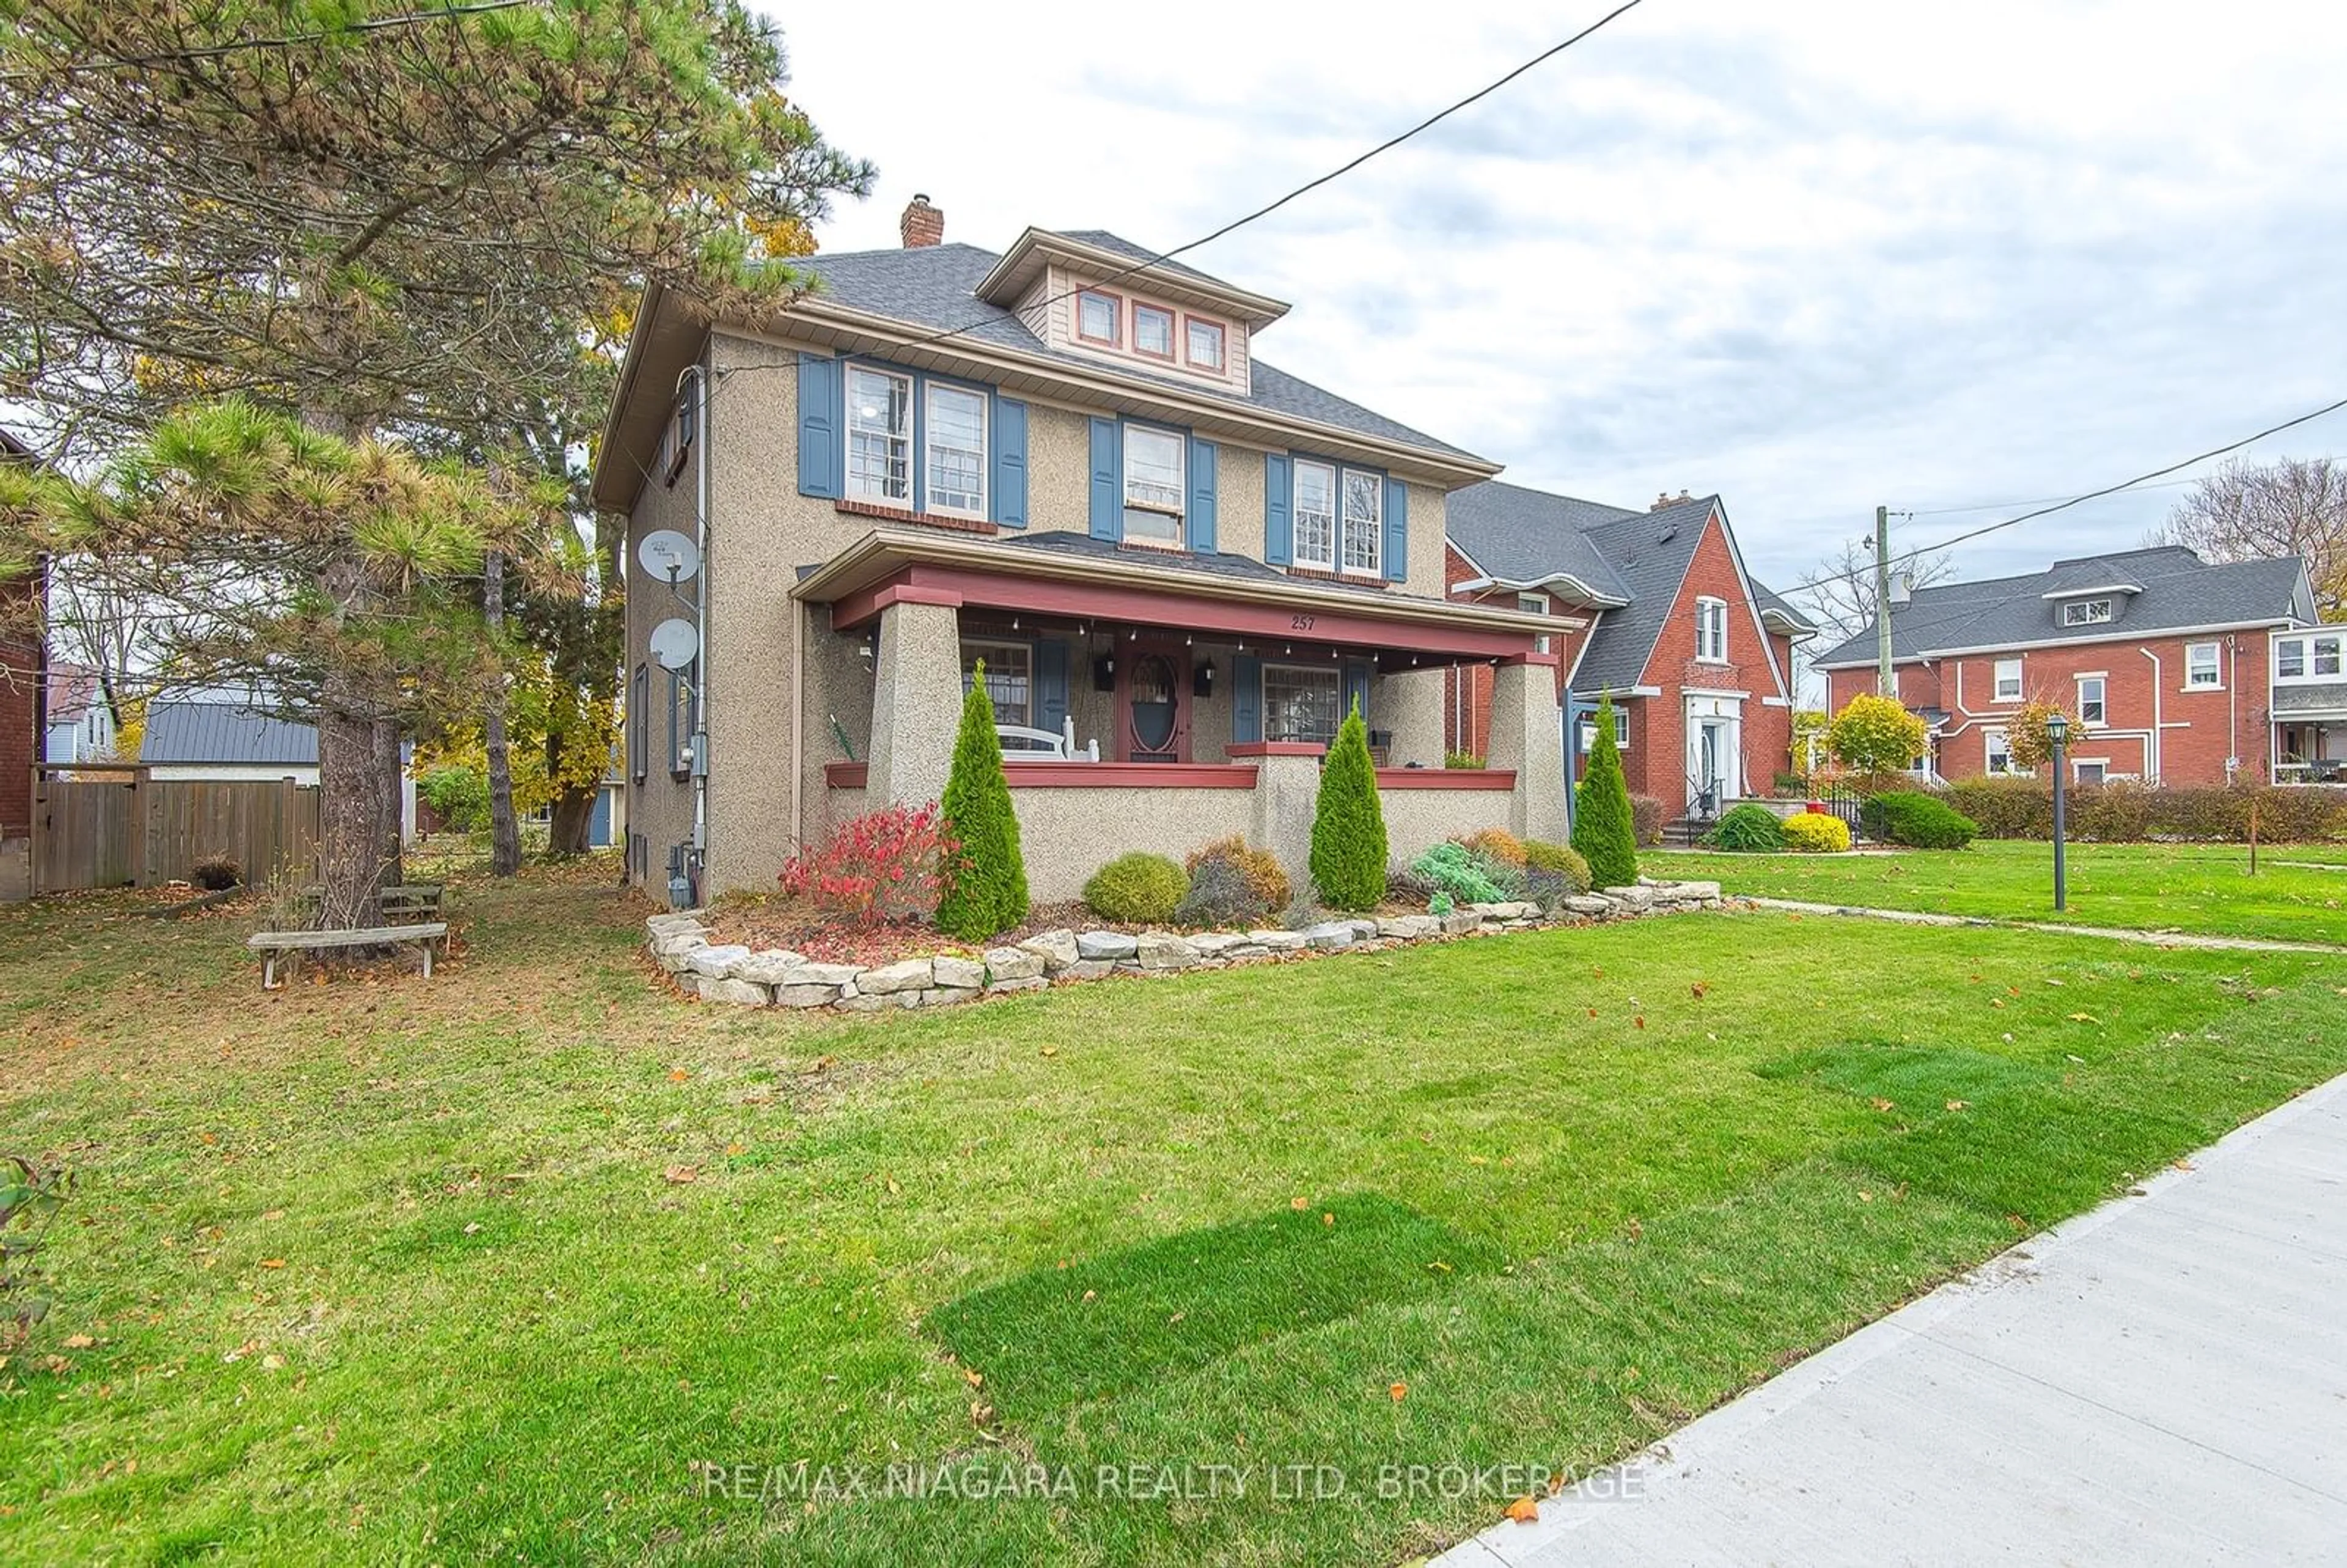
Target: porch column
[
  {"x": 915, "y": 703},
  {"x": 1528, "y": 735},
  {"x": 1287, "y": 796},
  {"x": 1410, "y": 707}
]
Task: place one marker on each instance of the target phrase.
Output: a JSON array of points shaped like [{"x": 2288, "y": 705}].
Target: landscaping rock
[
  {"x": 860, "y": 1003},
  {"x": 1330, "y": 934},
  {"x": 1245, "y": 950},
  {"x": 825, "y": 974},
  {"x": 740, "y": 992},
  {"x": 1589, "y": 903},
  {"x": 1631, "y": 898},
  {"x": 773, "y": 967},
  {"x": 1013, "y": 964},
  {"x": 890, "y": 979},
  {"x": 712, "y": 962},
  {"x": 1088, "y": 969},
  {"x": 1363, "y": 930},
  {"x": 1162, "y": 951},
  {"x": 1019, "y": 983},
  {"x": 1217, "y": 944},
  {"x": 1111, "y": 945},
  {"x": 1688, "y": 893},
  {"x": 1459, "y": 922},
  {"x": 940, "y": 996},
  {"x": 1056, "y": 949},
  {"x": 1409, "y": 927},
  {"x": 669, "y": 925},
  {"x": 806, "y": 996},
  {"x": 958, "y": 974},
  {"x": 1276, "y": 941}
]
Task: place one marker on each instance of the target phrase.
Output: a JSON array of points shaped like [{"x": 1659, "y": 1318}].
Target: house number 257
[{"x": 1299, "y": 622}]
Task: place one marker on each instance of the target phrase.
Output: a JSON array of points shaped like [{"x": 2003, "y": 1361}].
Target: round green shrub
[
  {"x": 1748, "y": 829},
  {"x": 1137, "y": 889},
  {"x": 1816, "y": 833},
  {"x": 1917, "y": 820}
]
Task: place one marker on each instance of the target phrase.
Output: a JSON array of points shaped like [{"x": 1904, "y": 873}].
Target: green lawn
[
  {"x": 2299, "y": 895},
  {"x": 399, "y": 1271}
]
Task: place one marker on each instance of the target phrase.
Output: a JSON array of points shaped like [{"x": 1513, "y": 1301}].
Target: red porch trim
[
  {"x": 1128, "y": 775},
  {"x": 1446, "y": 778},
  {"x": 1276, "y": 749},
  {"x": 1270, "y": 624},
  {"x": 1551, "y": 659},
  {"x": 847, "y": 775}
]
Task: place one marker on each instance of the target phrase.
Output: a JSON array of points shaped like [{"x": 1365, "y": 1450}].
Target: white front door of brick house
[{"x": 1714, "y": 751}]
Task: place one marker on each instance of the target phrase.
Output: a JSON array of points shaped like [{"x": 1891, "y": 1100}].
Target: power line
[
  {"x": 2041, "y": 500},
  {"x": 1237, "y": 223},
  {"x": 239, "y": 45}
]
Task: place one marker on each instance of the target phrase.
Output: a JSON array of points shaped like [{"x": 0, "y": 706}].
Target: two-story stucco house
[
  {"x": 2174, "y": 670},
  {"x": 1074, "y": 466},
  {"x": 1695, "y": 652}
]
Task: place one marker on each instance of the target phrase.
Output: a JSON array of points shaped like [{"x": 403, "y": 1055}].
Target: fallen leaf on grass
[
  {"x": 1701, "y": 990},
  {"x": 732, "y": 1149},
  {"x": 272, "y": 1263},
  {"x": 678, "y": 1075},
  {"x": 1298, "y": 1205},
  {"x": 681, "y": 1176},
  {"x": 1525, "y": 1510},
  {"x": 1051, "y": 1050},
  {"x": 1327, "y": 1219},
  {"x": 975, "y": 1375},
  {"x": 1958, "y": 1104},
  {"x": 1879, "y": 1103},
  {"x": 2184, "y": 1165},
  {"x": 79, "y": 1341},
  {"x": 2084, "y": 1018},
  {"x": 1398, "y": 1392}
]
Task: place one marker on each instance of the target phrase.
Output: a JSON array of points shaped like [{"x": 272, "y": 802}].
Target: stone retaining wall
[{"x": 773, "y": 976}]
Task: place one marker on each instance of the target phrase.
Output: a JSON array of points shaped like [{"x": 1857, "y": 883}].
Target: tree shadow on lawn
[{"x": 1103, "y": 1325}]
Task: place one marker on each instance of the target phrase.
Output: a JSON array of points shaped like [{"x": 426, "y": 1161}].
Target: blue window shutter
[
  {"x": 1356, "y": 687},
  {"x": 821, "y": 454},
  {"x": 1397, "y": 551},
  {"x": 1108, "y": 506},
  {"x": 1050, "y": 684},
  {"x": 1246, "y": 698},
  {"x": 1202, "y": 496},
  {"x": 1009, "y": 486},
  {"x": 1279, "y": 509}
]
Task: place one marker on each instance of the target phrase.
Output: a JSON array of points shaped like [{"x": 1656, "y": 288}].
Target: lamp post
[{"x": 2057, "y": 735}]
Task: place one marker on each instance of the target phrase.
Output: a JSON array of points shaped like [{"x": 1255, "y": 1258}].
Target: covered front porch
[{"x": 1155, "y": 703}]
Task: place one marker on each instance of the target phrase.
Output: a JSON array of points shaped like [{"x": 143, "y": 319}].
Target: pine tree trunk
[
  {"x": 350, "y": 866},
  {"x": 390, "y": 816},
  {"x": 505, "y": 832}
]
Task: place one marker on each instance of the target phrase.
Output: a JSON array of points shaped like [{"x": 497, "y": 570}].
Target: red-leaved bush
[{"x": 882, "y": 866}]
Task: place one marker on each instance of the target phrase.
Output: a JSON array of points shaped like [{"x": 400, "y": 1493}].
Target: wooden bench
[
  {"x": 417, "y": 898},
  {"x": 292, "y": 944}
]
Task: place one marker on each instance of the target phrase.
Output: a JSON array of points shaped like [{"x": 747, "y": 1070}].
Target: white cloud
[{"x": 1814, "y": 256}]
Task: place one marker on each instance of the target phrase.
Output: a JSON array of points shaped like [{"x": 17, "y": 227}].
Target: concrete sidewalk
[{"x": 2163, "y": 1380}]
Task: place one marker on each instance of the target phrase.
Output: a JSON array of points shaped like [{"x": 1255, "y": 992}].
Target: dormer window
[
  {"x": 2087, "y": 612},
  {"x": 1152, "y": 331},
  {"x": 1206, "y": 344},
  {"x": 1097, "y": 316}
]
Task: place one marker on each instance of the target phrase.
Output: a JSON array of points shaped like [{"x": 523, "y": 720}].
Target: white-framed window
[
  {"x": 1999, "y": 750},
  {"x": 1010, "y": 677},
  {"x": 1316, "y": 516},
  {"x": 2093, "y": 708},
  {"x": 1365, "y": 512},
  {"x": 1152, "y": 331},
  {"x": 956, "y": 443},
  {"x": 2325, "y": 657},
  {"x": 2204, "y": 668},
  {"x": 1204, "y": 344},
  {"x": 1588, "y": 742},
  {"x": 1155, "y": 477},
  {"x": 1711, "y": 630},
  {"x": 1302, "y": 702},
  {"x": 2087, "y": 612},
  {"x": 2008, "y": 680},
  {"x": 879, "y": 436},
  {"x": 2092, "y": 772},
  {"x": 1534, "y": 604},
  {"x": 1098, "y": 317}
]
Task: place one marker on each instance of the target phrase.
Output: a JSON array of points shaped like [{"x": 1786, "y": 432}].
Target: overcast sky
[{"x": 1814, "y": 256}]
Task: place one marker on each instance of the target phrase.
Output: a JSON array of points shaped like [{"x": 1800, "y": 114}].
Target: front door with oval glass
[{"x": 1154, "y": 706}]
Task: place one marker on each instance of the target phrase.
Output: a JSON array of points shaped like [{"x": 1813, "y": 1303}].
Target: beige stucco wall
[
  {"x": 1066, "y": 834},
  {"x": 1419, "y": 819},
  {"x": 661, "y": 807}
]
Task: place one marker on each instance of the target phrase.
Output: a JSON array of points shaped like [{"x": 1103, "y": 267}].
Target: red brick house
[
  {"x": 2175, "y": 669},
  {"x": 21, "y": 702},
  {"x": 1655, "y": 607}
]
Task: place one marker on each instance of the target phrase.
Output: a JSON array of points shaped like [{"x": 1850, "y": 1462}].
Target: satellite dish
[
  {"x": 668, "y": 555},
  {"x": 675, "y": 644}
]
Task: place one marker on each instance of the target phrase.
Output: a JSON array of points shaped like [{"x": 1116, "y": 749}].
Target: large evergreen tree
[
  {"x": 1348, "y": 825},
  {"x": 390, "y": 220},
  {"x": 1604, "y": 828},
  {"x": 985, "y": 881}
]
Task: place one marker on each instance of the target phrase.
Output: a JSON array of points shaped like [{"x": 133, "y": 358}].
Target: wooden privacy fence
[{"x": 119, "y": 827}]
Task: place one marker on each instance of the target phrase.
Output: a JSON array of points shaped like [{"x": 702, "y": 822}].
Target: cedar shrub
[
  {"x": 1348, "y": 826},
  {"x": 985, "y": 888},
  {"x": 1604, "y": 829}
]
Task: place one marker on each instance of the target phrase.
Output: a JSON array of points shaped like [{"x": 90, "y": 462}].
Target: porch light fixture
[{"x": 1202, "y": 680}]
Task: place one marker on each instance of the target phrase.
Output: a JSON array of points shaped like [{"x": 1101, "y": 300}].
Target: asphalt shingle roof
[
  {"x": 182, "y": 731},
  {"x": 1649, "y": 552},
  {"x": 934, "y": 286},
  {"x": 1523, "y": 536},
  {"x": 2179, "y": 590}
]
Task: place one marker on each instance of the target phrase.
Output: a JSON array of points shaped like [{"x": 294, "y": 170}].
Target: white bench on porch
[{"x": 1043, "y": 746}]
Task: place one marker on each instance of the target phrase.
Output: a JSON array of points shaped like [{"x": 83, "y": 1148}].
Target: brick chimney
[
  {"x": 922, "y": 224},
  {"x": 1664, "y": 498}
]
